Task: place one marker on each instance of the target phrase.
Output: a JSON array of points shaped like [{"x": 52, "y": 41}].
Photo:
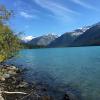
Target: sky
[{"x": 39, "y": 17}]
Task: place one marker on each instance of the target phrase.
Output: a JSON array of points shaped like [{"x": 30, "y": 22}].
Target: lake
[{"x": 77, "y": 67}]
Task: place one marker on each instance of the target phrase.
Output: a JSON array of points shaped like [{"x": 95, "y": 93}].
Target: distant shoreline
[{"x": 63, "y": 47}]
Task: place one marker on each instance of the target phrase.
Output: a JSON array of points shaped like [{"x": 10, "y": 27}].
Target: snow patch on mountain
[{"x": 27, "y": 38}]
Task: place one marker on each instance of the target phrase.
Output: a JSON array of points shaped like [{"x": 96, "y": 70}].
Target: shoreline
[{"x": 19, "y": 89}]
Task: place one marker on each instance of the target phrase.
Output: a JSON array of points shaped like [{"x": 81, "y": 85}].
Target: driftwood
[{"x": 6, "y": 92}]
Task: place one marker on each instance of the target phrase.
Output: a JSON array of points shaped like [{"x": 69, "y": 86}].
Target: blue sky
[{"x": 38, "y": 17}]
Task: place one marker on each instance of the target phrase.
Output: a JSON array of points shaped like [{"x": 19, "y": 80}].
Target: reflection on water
[{"x": 68, "y": 69}]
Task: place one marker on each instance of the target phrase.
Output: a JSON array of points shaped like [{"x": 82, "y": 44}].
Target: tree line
[{"x": 9, "y": 42}]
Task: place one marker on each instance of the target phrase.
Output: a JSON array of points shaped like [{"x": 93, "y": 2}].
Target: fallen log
[{"x": 6, "y": 92}]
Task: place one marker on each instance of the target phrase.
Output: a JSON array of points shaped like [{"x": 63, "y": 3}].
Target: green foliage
[
  {"x": 4, "y": 13},
  {"x": 9, "y": 43}
]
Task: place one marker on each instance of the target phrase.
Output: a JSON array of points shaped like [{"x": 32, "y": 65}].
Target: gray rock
[
  {"x": 22, "y": 85},
  {"x": 6, "y": 75}
]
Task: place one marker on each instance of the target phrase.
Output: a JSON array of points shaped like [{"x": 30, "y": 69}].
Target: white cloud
[
  {"x": 84, "y": 4},
  {"x": 27, "y": 38},
  {"x": 58, "y": 10},
  {"x": 26, "y": 15},
  {"x": 54, "y": 7}
]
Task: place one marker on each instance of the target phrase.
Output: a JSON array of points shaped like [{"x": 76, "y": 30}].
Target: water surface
[{"x": 78, "y": 68}]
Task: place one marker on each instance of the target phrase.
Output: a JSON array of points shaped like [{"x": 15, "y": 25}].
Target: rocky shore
[{"x": 14, "y": 87}]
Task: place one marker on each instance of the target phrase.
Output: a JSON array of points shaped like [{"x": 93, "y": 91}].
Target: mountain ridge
[
  {"x": 42, "y": 40},
  {"x": 67, "y": 38},
  {"x": 86, "y": 36}
]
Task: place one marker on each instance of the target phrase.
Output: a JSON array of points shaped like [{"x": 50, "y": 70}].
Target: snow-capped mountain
[
  {"x": 90, "y": 37},
  {"x": 27, "y": 38},
  {"x": 80, "y": 31},
  {"x": 43, "y": 40},
  {"x": 67, "y": 38}
]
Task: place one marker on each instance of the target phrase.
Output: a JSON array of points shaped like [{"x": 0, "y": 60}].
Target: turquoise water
[{"x": 78, "y": 68}]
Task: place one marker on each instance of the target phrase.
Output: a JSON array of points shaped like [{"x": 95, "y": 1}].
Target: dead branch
[{"x": 6, "y": 92}]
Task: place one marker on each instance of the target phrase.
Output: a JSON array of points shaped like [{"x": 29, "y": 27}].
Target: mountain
[
  {"x": 42, "y": 40},
  {"x": 86, "y": 36},
  {"x": 67, "y": 38},
  {"x": 26, "y": 39},
  {"x": 90, "y": 37}
]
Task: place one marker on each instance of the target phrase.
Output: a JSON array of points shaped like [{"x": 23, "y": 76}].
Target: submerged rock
[
  {"x": 22, "y": 85},
  {"x": 66, "y": 97},
  {"x": 46, "y": 98},
  {"x": 11, "y": 80}
]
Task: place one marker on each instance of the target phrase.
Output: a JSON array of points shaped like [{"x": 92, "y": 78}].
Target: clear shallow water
[{"x": 78, "y": 68}]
